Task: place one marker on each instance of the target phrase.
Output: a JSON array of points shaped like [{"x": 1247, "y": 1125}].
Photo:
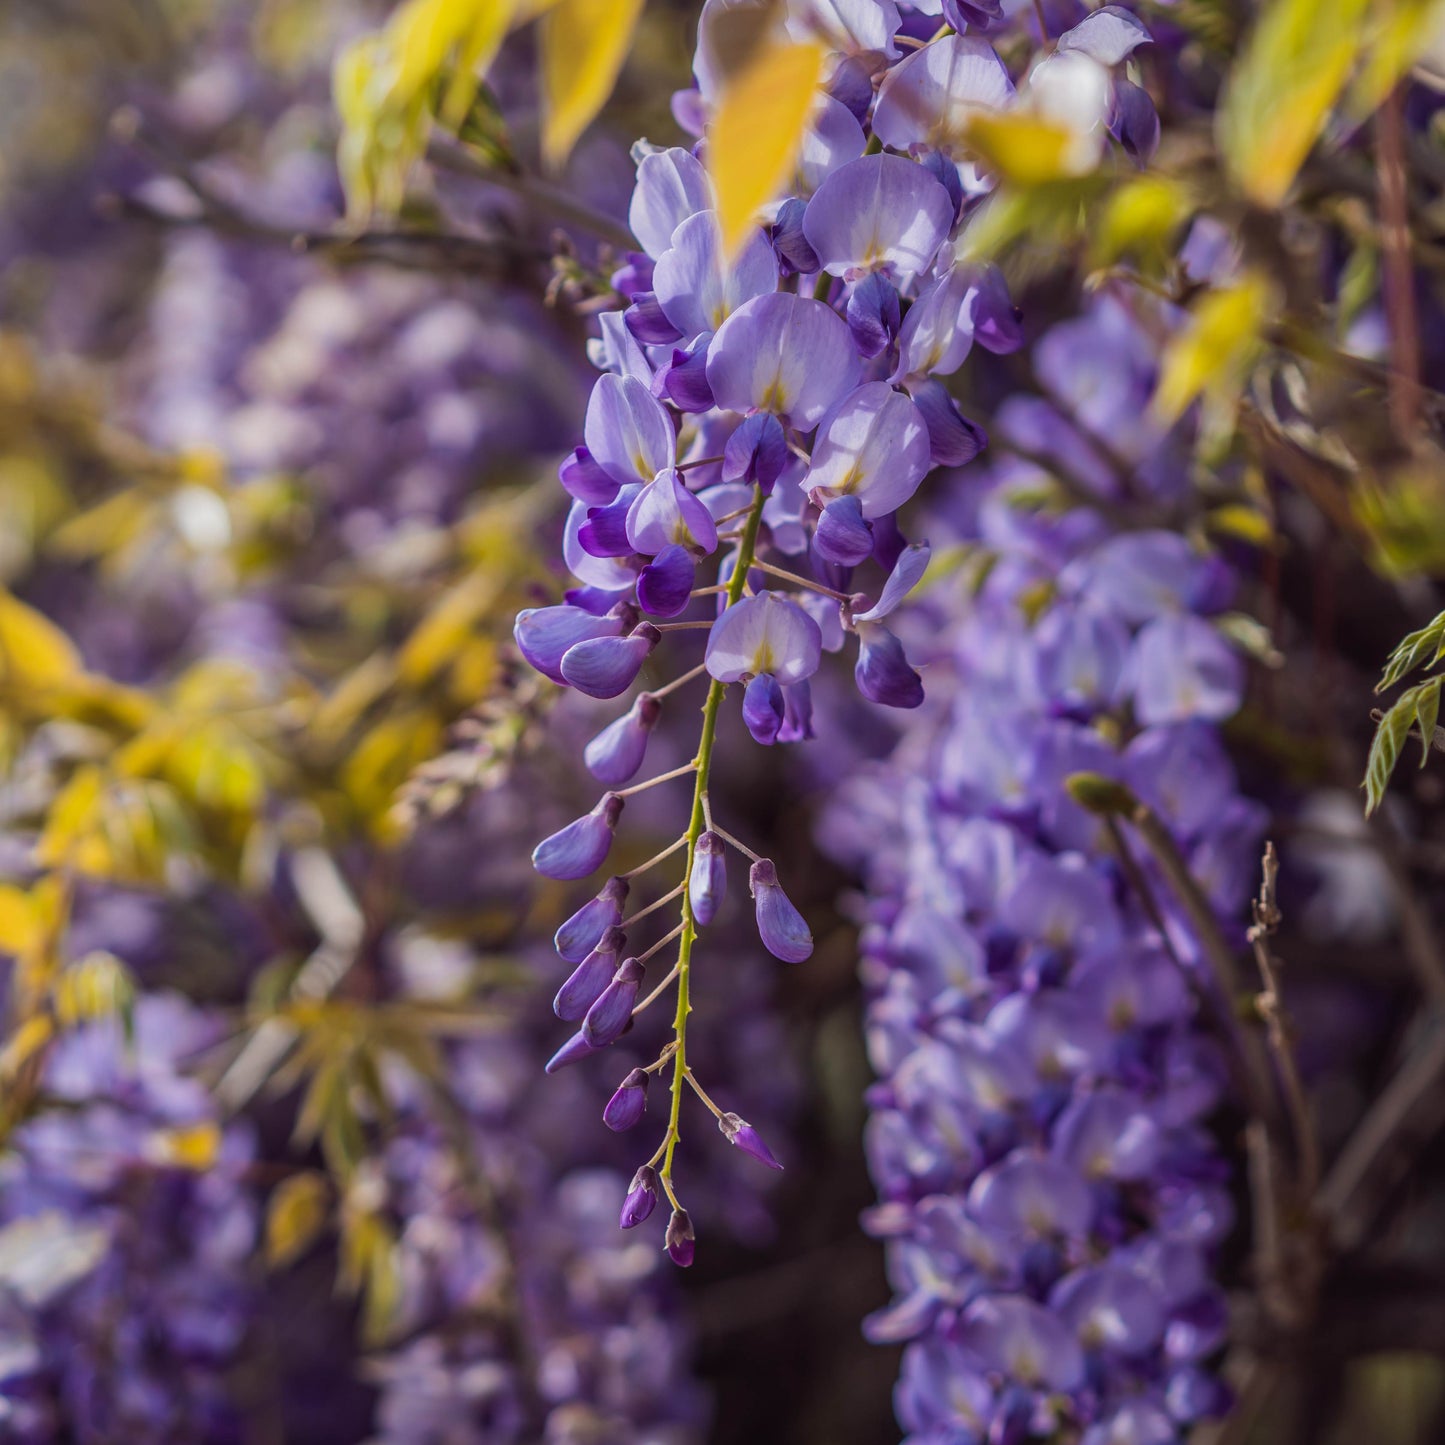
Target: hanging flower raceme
[
  {"x": 1049, "y": 1194},
  {"x": 762, "y": 416}
]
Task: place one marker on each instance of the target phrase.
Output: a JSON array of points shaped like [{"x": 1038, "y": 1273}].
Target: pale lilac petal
[
  {"x": 907, "y": 573},
  {"x": 617, "y": 351},
  {"x": 766, "y": 633},
  {"x": 707, "y": 881},
  {"x": 579, "y": 848},
  {"x": 937, "y": 334},
  {"x": 1016, "y": 1337},
  {"x": 666, "y": 513},
  {"x": 855, "y": 27},
  {"x": 696, "y": 289},
  {"x": 783, "y": 354},
  {"x": 833, "y": 138},
  {"x": 671, "y": 186},
  {"x": 927, "y": 97},
  {"x": 882, "y": 210},
  {"x": 581, "y": 933},
  {"x": 544, "y": 634},
  {"x": 607, "y": 573},
  {"x": 604, "y": 667},
  {"x": 874, "y": 446},
  {"x": 628, "y": 431},
  {"x": 783, "y": 930},
  {"x": 1181, "y": 668},
  {"x": 1109, "y": 35},
  {"x": 615, "y": 754}
]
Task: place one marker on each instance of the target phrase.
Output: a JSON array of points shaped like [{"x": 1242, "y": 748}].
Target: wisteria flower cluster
[
  {"x": 764, "y": 414},
  {"x": 1050, "y": 1194}
]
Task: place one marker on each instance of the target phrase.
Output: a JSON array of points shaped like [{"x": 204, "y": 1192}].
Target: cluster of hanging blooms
[
  {"x": 1049, "y": 1192},
  {"x": 761, "y": 416}
]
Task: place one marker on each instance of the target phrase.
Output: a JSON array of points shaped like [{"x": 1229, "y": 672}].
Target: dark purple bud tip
[
  {"x": 609, "y": 1016},
  {"x": 763, "y": 708},
  {"x": 681, "y": 1241},
  {"x": 882, "y": 671},
  {"x": 647, "y": 321},
  {"x": 584, "y": 478},
  {"x": 740, "y": 1132},
  {"x": 665, "y": 584},
  {"x": 574, "y": 1049},
  {"x": 616, "y": 753},
  {"x": 607, "y": 666},
  {"x": 583, "y": 931},
  {"x": 625, "y": 1108},
  {"x": 707, "y": 883},
  {"x": 842, "y": 535},
  {"x": 641, "y": 1198},
  {"x": 781, "y": 927},
  {"x": 590, "y": 978},
  {"x": 579, "y": 848}
]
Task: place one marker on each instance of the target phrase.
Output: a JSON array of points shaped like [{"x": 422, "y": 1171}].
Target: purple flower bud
[
  {"x": 646, "y": 320},
  {"x": 794, "y": 252},
  {"x": 608, "y": 666},
  {"x": 952, "y": 438},
  {"x": 707, "y": 883},
  {"x": 1134, "y": 122},
  {"x": 665, "y": 584},
  {"x": 873, "y": 314},
  {"x": 634, "y": 276},
  {"x": 683, "y": 381},
  {"x": 882, "y": 673},
  {"x": 781, "y": 927},
  {"x": 756, "y": 452},
  {"x": 604, "y": 533},
  {"x": 797, "y": 713},
  {"x": 584, "y": 930},
  {"x": 842, "y": 535},
  {"x": 584, "y": 479},
  {"x": 544, "y": 634},
  {"x": 608, "y": 1018},
  {"x": 681, "y": 1244},
  {"x": 625, "y": 1108},
  {"x": 616, "y": 753},
  {"x": 763, "y": 708},
  {"x": 574, "y": 1049},
  {"x": 740, "y": 1132},
  {"x": 579, "y": 848},
  {"x": 641, "y": 1198},
  {"x": 587, "y": 982}
]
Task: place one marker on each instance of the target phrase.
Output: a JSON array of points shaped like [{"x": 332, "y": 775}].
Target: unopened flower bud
[
  {"x": 681, "y": 1241},
  {"x": 708, "y": 881},
  {"x": 586, "y": 983},
  {"x": 609, "y": 1016},
  {"x": 580, "y": 847},
  {"x": 625, "y": 1108},
  {"x": 583, "y": 931},
  {"x": 781, "y": 927},
  {"x": 641, "y": 1198},
  {"x": 739, "y": 1132}
]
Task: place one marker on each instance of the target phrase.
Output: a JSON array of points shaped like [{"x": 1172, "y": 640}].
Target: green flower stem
[{"x": 703, "y": 763}]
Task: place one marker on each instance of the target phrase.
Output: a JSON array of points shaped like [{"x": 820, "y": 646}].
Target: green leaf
[
  {"x": 1420, "y": 649},
  {"x": 584, "y": 43},
  {"x": 1427, "y": 713},
  {"x": 1414, "y": 708}
]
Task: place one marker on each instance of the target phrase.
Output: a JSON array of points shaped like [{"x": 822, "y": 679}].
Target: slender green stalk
[{"x": 703, "y": 763}]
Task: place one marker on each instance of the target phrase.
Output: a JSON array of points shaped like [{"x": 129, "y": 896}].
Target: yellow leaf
[
  {"x": 295, "y": 1215},
  {"x": 442, "y": 633},
  {"x": 1213, "y": 353},
  {"x": 21, "y": 930},
  {"x": 1027, "y": 149},
  {"x": 584, "y": 43},
  {"x": 34, "y": 652},
  {"x": 756, "y": 135},
  {"x": 1280, "y": 93},
  {"x": 25, "y": 1043},
  {"x": 188, "y": 1146},
  {"x": 1138, "y": 219},
  {"x": 1235, "y": 519}
]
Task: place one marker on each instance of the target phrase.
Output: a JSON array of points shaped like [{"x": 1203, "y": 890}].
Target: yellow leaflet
[
  {"x": 1401, "y": 31},
  {"x": 584, "y": 43},
  {"x": 190, "y": 1146},
  {"x": 756, "y": 135},
  {"x": 24, "y": 1044},
  {"x": 21, "y": 929},
  {"x": 1280, "y": 93},
  {"x": 1214, "y": 352},
  {"x": 295, "y": 1215},
  {"x": 1028, "y": 150},
  {"x": 34, "y": 652}
]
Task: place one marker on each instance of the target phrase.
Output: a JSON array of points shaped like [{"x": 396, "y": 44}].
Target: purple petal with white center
[
  {"x": 671, "y": 186},
  {"x": 683, "y": 381},
  {"x": 907, "y": 573},
  {"x": 579, "y": 848},
  {"x": 1082, "y": 652},
  {"x": 1199, "y": 1327},
  {"x": 882, "y": 671},
  {"x": 756, "y": 452},
  {"x": 697, "y": 289},
  {"x": 610, "y": 1015},
  {"x": 575, "y": 1049},
  {"x": 628, "y": 1104},
  {"x": 584, "y": 985},
  {"x": 604, "y": 533},
  {"x": 783, "y": 930},
  {"x": 996, "y": 325},
  {"x": 905, "y": 1319},
  {"x": 881, "y": 210},
  {"x": 741, "y": 1134},
  {"x": 1109, "y": 35},
  {"x": 615, "y": 754},
  {"x": 842, "y": 536},
  {"x": 1016, "y": 1337},
  {"x": 628, "y": 430},
  {"x": 641, "y": 1198},
  {"x": 666, "y": 514},
  {"x": 665, "y": 584},
  {"x": 833, "y": 138},
  {"x": 872, "y": 313},
  {"x": 585, "y": 480},
  {"x": 545, "y": 634},
  {"x": 797, "y": 713},
  {"x": 584, "y": 930},
  {"x": 926, "y": 98},
  {"x": 1181, "y": 668},
  {"x": 940, "y": 1391},
  {"x": 786, "y": 232},
  {"x": 1108, "y": 1135},
  {"x": 1030, "y": 1195},
  {"x": 607, "y": 666},
  {"x": 783, "y": 354},
  {"x": 1135, "y": 1422},
  {"x": 874, "y": 445},
  {"x": 707, "y": 880},
  {"x": 854, "y": 27},
  {"x": 1134, "y": 122},
  {"x": 765, "y": 633},
  {"x": 649, "y": 323},
  {"x": 937, "y": 334},
  {"x": 953, "y": 440},
  {"x": 1109, "y": 1308},
  {"x": 763, "y": 708},
  {"x": 607, "y": 574}
]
